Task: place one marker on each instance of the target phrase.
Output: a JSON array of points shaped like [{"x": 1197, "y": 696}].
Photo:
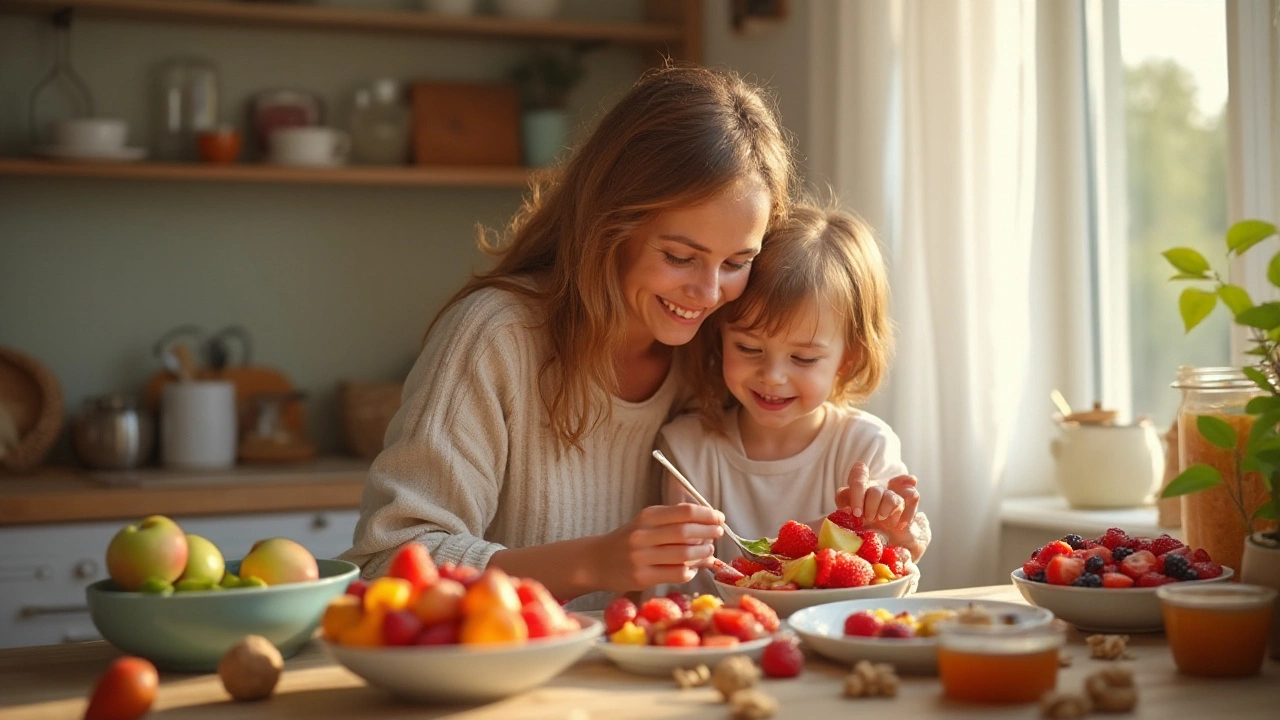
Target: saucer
[{"x": 67, "y": 152}]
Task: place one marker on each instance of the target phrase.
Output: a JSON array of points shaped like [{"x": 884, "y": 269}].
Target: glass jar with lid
[
  {"x": 1217, "y": 519},
  {"x": 381, "y": 124}
]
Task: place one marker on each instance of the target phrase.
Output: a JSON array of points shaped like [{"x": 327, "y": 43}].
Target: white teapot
[{"x": 1101, "y": 464}]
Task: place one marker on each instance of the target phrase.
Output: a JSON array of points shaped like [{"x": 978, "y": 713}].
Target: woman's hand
[
  {"x": 891, "y": 507},
  {"x": 663, "y": 544}
]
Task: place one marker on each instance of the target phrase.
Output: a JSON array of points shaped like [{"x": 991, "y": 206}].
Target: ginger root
[{"x": 251, "y": 668}]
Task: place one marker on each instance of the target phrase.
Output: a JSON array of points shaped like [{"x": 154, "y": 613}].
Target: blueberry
[
  {"x": 1075, "y": 541},
  {"x": 1175, "y": 566},
  {"x": 1089, "y": 580},
  {"x": 1121, "y": 553},
  {"x": 1094, "y": 565},
  {"x": 1038, "y": 577}
]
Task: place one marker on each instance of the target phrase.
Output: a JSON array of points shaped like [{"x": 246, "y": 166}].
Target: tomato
[{"x": 125, "y": 691}]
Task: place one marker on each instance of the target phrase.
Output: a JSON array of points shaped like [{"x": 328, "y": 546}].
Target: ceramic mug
[
  {"x": 90, "y": 133},
  {"x": 220, "y": 145},
  {"x": 310, "y": 145},
  {"x": 198, "y": 424}
]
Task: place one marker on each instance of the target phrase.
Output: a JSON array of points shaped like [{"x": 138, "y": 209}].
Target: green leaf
[
  {"x": 1195, "y": 305},
  {"x": 1259, "y": 379},
  {"x": 1186, "y": 276},
  {"x": 1259, "y": 351},
  {"x": 1194, "y": 479},
  {"x": 1251, "y": 464},
  {"x": 1247, "y": 233},
  {"x": 1235, "y": 298},
  {"x": 1273, "y": 270},
  {"x": 759, "y": 547},
  {"x": 1216, "y": 431},
  {"x": 1260, "y": 405},
  {"x": 1264, "y": 317},
  {"x": 1265, "y": 511},
  {"x": 1188, "y": 261}
]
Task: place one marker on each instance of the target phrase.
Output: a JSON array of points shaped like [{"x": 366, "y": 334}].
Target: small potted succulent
[
  {"x": 544, "y": 81},
  {"x": 1260, "y": 451}
]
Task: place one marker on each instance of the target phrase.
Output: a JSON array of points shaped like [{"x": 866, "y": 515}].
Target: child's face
[
  {"x": 782, "y": 378},
  {"x": 685, "y": 263}
]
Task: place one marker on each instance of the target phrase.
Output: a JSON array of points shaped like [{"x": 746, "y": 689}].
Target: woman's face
[{"x": 684, "y": 264}]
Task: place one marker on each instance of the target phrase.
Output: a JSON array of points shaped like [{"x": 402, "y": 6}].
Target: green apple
[
  {"x": 276, "y": 561},
  {"x": 802, "y": 571},
  {"x": 204, "y": 561},
  {"x": 831, "y": 535},
  {"x": 154, "y": 549}
]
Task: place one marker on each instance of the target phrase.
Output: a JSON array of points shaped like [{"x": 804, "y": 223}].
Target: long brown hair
[
  {"x": 678, "y": 138},
  {"x": 820, "y": 253}
]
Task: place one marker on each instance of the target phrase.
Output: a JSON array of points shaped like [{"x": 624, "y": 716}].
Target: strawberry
[
  {"x": 824, "y": 559},
  {"x": 745, "y": 566},
  {"x": 357, "y": 588},
  {"x": 681, "y": 637},
  {"x": 400, "y": 627},
  {"x": 766, "y": 615},
  {"x": 1138, "y": 564},
  {"x": 738, "y": 623},
  {"x": 896, "y": 558},
  {"x": 657, "y": 609},
  {"x": 714, "y": 640},
  {"x": 618, "y": 613},
  {"x": 850, "y": 571},
  {"x": 1063, "y": 570},
  {"x": 846, "y": 520},
  {"x": 725, "y": 573},
  {"x": 698, "y": 623},
  {"x": 863, "y": 624},
  {"x": 782, "y": 657},
  {"x": 1207, "y": 570},
  {"x": 464, "y": 574},
  {"x": 1164, "y": 544},
  {"x": 1031, "y": 567},
  {"x": 1098, "y": 551},
  {"x": 872, "y": 546},
  {"x": 1116, "y": 580},
  {"x": 1052, "y": 550},
  {"x": 1200, "y": 555},
  {"x": 680, "y": 599},
  {"x": 1153, "y": 579},
  {"x": 538, "y": 621},
  {"x": 795, "y": 540},
  {"x": 897, "y": 629},
  {"x": 1114, "y": 538},
  {"x": 412, "y": 562}
]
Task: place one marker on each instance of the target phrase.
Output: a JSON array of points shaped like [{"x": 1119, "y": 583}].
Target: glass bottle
[
  {"x": 380, "y": 125},
  {"x": 1217, "y": 519},
  {"x": 186, "y": 104}
]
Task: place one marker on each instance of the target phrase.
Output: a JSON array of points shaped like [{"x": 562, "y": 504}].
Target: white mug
[
  {"x": 90, "y": 133},
  {"x": 198, "y": 424},
  {"x": 309, "y": 145}
]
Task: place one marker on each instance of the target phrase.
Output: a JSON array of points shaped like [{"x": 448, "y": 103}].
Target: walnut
[
  {"x": 752, "y": 704},
  {"x": 975, "y": 615},
  {"x": 1062, "y": 706},
  {"x": 692, "y": 677},
  {"x": 251, "y": 668},
  {"x": 867, "y": 680},
  {"x": 1107, "y": 647},
  {"x": 1064, "y": 659},
  {"x": 734, "y": 673},
  {"x": 1112, "y": 690}
]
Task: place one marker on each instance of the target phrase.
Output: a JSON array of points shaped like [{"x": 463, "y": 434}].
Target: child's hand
[{"x": 891, "y": 507}]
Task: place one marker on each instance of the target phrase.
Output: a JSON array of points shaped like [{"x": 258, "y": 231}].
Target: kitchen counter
[
  {"x": 65, "y": 494},
  {"x": 54, "y": 682}
]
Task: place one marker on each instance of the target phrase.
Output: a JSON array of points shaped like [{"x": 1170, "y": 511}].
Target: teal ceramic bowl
[{"x": 190, "y": 631}]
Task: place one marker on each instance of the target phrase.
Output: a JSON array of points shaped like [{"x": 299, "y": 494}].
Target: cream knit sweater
[{"x": 470, "y": 465}]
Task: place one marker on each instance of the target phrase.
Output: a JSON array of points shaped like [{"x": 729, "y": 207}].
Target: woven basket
[
  {"x": 32, "y": 399},
  {"x": 367, "y": 409}
]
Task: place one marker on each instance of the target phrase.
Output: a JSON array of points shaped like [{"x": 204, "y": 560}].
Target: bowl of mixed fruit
[
  {"x": 1108, "y": 583},
  {"x": 679, "y": 631},
  {"x": 841, "y": 561},
  {"x": 452, "y": 634}
]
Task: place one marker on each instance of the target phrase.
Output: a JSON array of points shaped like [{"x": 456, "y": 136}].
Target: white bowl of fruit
[
  {"x": 839, "y": 562},
  {"x": 453, "y": 634},
  {"x": 1108, "y": 584}
]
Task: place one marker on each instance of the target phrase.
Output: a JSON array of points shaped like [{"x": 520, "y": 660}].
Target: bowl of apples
[
  {"x": 452, "y": 634},
  {"x": 841, "y": 561},
  {"x": 174, "y": 600}
]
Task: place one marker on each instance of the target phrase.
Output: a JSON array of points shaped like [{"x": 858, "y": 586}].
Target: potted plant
[
  {"x": 1259, "y": 452},
  {"x": 544, "y": 82}
]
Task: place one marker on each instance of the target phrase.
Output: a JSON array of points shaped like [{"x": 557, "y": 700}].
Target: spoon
[{"x": 769, "y": 560}]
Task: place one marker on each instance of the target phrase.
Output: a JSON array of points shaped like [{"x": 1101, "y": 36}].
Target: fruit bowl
[
  {"x": 786, "y": 602},
  {"x": 466, "y": 673},
  {"x": 1106, "y": 610},
  {"x": 190, "y": 631},
  {"x": 661, "y": 661},
  {"x": 822, "y": 629}
]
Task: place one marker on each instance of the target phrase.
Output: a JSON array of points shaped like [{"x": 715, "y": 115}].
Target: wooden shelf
[
  {"x": 478, "y": 176},
  {"x": 311, "y": 17}
]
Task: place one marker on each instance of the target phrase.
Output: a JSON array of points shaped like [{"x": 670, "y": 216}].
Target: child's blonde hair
[{"x": 820, "y": 253}]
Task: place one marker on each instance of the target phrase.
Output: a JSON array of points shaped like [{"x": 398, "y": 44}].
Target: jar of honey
[
  {"x": 1217, "y": 519},
  {"x": 998, "y": 663},
  {"x": 1217, "y": 630}
]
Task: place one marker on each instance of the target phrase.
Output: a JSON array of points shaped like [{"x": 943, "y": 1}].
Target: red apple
[
  {"x": 277, "y": 561},
  {"x": 155, "y": 548}
]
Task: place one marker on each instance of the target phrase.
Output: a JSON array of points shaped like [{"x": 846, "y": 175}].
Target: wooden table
[{"x": 54, "y": 682}]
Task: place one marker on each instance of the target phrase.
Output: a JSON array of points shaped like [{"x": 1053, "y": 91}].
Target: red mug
[{"x": 219, "y": 146}]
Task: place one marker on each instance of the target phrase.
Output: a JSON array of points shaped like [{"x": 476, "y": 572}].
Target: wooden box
[{"x": 465, "y": 124}]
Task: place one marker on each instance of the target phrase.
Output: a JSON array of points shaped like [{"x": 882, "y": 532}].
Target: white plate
[
  {"x": 822, "y": 628},
  {"x": 660, "y": 660},
  {"x": 466, "y": 673},
  {"x": 120, "y": 154},
  {"x": 786, "y": 602},
  {"x": 1105, "y": 610}
]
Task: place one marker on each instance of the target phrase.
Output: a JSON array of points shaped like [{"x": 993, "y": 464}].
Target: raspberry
[
  {"x": 1114, "y": 538},
  {"x": 782, "y": 657},
  {"x": 1200, "y": 556},
  {"x": 872, "y": 546},
  {"x": 897, "y": 629},
  {"x": 863, "y": 624},
  {"x": 1075, "y": 541},
  {"x": 766, "y": 615},
  {"x": 795, "y": 540},
  {"x": 1031, "y": 567},
  {"x": 845, "y": 520},
  {"x": 838, "y": 569},
  {"x": 745, "y": 566},
  {"x": 680, "y": 599},
  {"x": 1089, "y": 580},
  {"x": 1153, "y": 579},
  {"x": 1120, "y": 553},
  {"x": 1140, "y": 544},
  {"x": 896, "y": 559},
  {"x": 1116, "y": 580},
  {"x": 1207, "y": 570},
  {"x": 1164, "y": 544},
  {"x": 657, "y": 609},
  {"x": 618, "y": 613}
]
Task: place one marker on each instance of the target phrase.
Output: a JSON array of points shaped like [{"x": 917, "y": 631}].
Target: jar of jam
[{"x": 1217, "y": 519}]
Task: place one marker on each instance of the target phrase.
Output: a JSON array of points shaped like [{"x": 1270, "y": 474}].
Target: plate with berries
[
  {"x": 1070, "y": 576},
  {"x": 900, "y": 631},
  {"x": 841, "y": 561},
  {"x": 662, "y": 634}
]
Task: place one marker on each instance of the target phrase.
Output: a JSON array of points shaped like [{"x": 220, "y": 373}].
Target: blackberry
[
  {"x": 1177, "y": 567},
  {"x": 1094, "y": 565},
  {"x": 1075, "y": 541},
  {"x": 1038, "y": 577},
  {"x": 1121, "y": 553},
  {"x": 1088, "y": 580}
]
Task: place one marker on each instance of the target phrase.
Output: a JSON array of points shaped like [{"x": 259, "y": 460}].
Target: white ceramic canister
[
  {"x": 1105, "y": 465},
  {"x": 198, "y": 425}
]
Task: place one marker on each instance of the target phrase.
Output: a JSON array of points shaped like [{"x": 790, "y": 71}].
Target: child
[{"x": 776, "y": 437}]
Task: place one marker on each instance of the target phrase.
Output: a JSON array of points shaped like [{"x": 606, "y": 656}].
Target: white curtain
[{"x": 923, "y": 119}]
